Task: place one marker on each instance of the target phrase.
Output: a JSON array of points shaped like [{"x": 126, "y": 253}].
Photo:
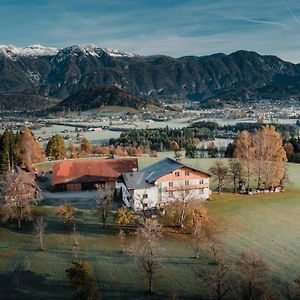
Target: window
[
  {"x": 170, "y": 184},
  {"x": 145, "y": 196},
  {"x": 187, "y": 182},
  {"x": 201, "y": 191},
  {"x": 177, "y": 174},
  {"x": 187, "y": 173},
  {"x": 201, "y": 181},
  {"x": 171, "y": 194}
]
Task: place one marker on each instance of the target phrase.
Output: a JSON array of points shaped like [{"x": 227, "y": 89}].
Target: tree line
[
  {"x": 161, "y": 139},
  {"x": 259, "y": 159},
  {"x": 19, "y": 149},
  {"x": 284, "y": 129}
]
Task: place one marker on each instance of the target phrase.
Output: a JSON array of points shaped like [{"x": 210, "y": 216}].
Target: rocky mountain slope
[{"x": 60, "y": 73}]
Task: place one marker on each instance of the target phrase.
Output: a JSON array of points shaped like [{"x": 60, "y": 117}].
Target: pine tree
[
  {"x": 190, "y": 149},
  {"x": 56, "y": 148},
  {"x": 5, "y": 152}
]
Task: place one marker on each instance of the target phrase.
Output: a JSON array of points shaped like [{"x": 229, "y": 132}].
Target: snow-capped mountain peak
[
  {"x": 32, "y": 50},
  {"x": 39, "y": 50},
  {"x": 118, "y": 53},
  {"x": 93, "y": 50}
]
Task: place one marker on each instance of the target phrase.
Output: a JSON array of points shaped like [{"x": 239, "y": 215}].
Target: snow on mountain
[
  {"x": 118, "y": 53},
  {"x": 90, "y": 49},
  {"x": 32, "y": 50},
  {"x": 38, "y": 50}
]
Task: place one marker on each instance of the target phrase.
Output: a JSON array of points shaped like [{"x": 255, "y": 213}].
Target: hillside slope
[
  {"x": 98, "y": 96},
  {"x": 61, "y": 73}
]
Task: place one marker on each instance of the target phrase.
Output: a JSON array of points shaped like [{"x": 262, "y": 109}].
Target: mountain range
[{"x": 41, "y": 73}]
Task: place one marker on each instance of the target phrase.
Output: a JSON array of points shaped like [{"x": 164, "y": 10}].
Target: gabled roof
[
  {"x": 161, "y": 168},
  {"x": 155, "y": 171},
  {"x": 97, "y": 170},
  {"x": 136, "y": 180}
]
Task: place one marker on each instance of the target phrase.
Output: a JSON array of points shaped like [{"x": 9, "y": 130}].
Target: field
[{"x": 268, "y": 223}]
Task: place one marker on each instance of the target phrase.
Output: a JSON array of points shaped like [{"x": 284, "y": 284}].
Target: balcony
[{"x": 185, "y": 187}]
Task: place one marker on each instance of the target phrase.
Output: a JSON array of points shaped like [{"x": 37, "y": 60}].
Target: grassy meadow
[{"x": 268, "y": 223}]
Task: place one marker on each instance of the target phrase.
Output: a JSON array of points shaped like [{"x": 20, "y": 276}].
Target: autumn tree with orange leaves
[
  {"x": 262, "y": 156},
  {"x": 244, "y": 151},
  {"x": 28, "y": 150}
]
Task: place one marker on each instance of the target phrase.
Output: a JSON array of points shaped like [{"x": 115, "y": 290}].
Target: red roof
[{"x": 96, "y": 170}]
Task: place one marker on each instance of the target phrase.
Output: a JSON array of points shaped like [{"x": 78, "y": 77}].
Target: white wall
[
  {"x": 194, "y": 194},
  {"x": 151, "y": 200}
]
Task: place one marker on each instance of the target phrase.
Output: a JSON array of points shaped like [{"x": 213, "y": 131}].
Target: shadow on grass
[
  {"x": 26, "y": 285},
  {"x": 56, "y": 226},
  {"x": 130, "y": 291}
]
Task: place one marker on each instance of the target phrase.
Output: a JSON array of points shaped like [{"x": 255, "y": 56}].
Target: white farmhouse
[{"x": 163, "y": 182}]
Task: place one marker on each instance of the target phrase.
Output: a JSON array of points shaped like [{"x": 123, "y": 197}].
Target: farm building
[
  {"x": 76, "y": 175},
  {"x": 163, "y": 182}
]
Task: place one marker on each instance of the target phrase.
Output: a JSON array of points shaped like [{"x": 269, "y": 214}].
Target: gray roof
[
  {"x": 161, "y": 168},
  {"x": 136, "y": 180},
  {"x": 145, "y": 178}
]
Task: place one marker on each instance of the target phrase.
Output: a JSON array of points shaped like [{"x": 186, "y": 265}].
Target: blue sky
[{"x": 171, "y": 27}]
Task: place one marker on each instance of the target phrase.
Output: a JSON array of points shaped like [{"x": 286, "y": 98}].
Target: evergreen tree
[
  {"x": 229, "y": 150},
  {"x": 5, "y": 163},
  {"x": 212, "y": 150},
  {"x": 190, "y": 149},
  {"x": 56, "y": 148}
]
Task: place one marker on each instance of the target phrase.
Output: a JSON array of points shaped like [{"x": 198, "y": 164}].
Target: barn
[{"x": 78, "y": 175}]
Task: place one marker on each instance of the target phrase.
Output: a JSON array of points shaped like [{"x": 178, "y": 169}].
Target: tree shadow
[{"x": 26, "y": 285}]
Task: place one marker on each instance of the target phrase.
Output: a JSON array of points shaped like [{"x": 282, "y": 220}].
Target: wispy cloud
[
  {"x": 171, "y": 27},
  {"x": 291, "y": 12},
  {"x": 265, "y": 22}
]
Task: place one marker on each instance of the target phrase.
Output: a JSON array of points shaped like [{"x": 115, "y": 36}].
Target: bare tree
[
  {"x": 236, "y": 174},
  {"x": 121, "y": 236},
  {"x": 19, "y": 193},
  {"x": 220, "y": 171},
  {"x": 39, "y": 229},
  {"x": 142, "y": 204},
  {"x": 218, "y": 282},
  {"x": 201, "y": 229},
  {"x": 104, "y": 204},
  {"x": 182, "y": 197},
  {"x": 253, "y": 271},
  {"x": 292, "y": 291},
  {"x": 297, "y": 287},
  {"x": 148, "y": 251}
]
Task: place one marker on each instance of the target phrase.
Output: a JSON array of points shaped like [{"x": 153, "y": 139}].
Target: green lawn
[{"x": 268, "y": 223}]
